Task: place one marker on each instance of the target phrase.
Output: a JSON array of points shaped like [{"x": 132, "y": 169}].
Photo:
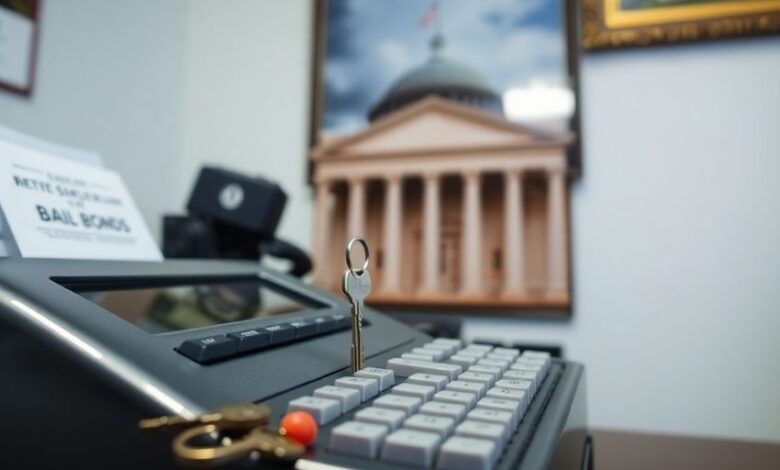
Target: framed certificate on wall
[{"x": 18, "y": 41}]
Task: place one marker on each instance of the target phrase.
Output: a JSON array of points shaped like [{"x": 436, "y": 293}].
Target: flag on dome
[{"x": 430, "y": 15}]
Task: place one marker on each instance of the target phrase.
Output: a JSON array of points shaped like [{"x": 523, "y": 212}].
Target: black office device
[
  {"x": 87, "y": 348},
  {"x": 232, "y": 216}
]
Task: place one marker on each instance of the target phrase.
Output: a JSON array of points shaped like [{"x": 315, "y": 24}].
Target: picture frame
[
  {"x": 610, "y": 24},
  {"x": 572, "y": 34},
  {"x": 389, "y": 108},
  {"x": 19, "y": 31}
]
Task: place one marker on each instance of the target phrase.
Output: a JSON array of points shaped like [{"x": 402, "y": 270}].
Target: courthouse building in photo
[{"x": 460, "y": 206}]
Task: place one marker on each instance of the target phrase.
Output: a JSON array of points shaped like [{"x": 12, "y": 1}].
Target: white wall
[
  {"x": 108, "y": 79},
  {"x": 676, "y": 228},
  {"x": 247, "y": 97},
  {"x": 675, "y": 221}
]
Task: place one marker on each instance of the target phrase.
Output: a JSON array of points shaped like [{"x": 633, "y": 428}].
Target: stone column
[
  {"x": 357, "y": 208},
  {"x": 513, "y": 233},
  {"x": 392, "y": 252},
  {"x": 471, "y": 239},
  {"x": 431, "y": 233},
  {"x": 556, "y": 232},
  {"x": 322, "y": 229}
]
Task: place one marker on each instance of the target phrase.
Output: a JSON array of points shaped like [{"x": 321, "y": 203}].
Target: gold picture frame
[{"x": 624, "y": 23}]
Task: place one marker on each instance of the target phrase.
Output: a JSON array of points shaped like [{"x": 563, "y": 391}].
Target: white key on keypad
[
  {"x": 323, "y": 410},
  {"x": 416, "y": 357},
  {"x": 470, "y": 376},
  {"x": 423, "y": 392},
  {"x": 513, "y": 374},
  {"x": 532, "y": 361},
  {"x": 408, "y": 405},
  {"x": 504, "y": 365},
  {"x": 348, "y": 397},
  {"x": 448, "y": 349},
  {"x": 406, "y": 367},
  {"x": 500, "y": 404},
  {"x": 503, "y": 418},
  {"x": 537, "y": 354},
  {"x": 449, "y": 410},
  {"x": 479, "y": 347},
  {"x": 509, "y": 394},
  {"x": 411, "y": 447},
  {"x": 385, "y": 416},
  {"x": 386, "y": 377},
  {"x": 482, "y": 430},
  {"x": 441, "y": 425},
  {"x": 476, "y": 353},
  {"x": 464, "y": 453},
  {"x": 462, "y": 360},
  {"x": 515, "y": 384},
  {"x": 358, "y": 438},
  {"x": 443, "y": 351},
  {"x": 494, "y": 371},
  {"x": 510, "y": 353},
  {"x": 464, "y": 398},
  {"x": 436, "y": 354},
  {"x": 476, "y": 388},
  {"x": 368, "y": 388},
  {"x": 525, "y": 366},
  {"x": 450, "y": 342},
  {"x": 437, "y": 381}
]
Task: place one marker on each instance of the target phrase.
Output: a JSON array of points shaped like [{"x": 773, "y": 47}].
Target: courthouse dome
[{"x": 440, "y": 76}]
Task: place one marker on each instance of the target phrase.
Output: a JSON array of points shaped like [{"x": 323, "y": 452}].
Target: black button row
[{"x": 215, "y": 348}]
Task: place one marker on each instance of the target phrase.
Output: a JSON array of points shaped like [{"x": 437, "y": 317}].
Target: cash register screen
[{"x": 181, "y": 307}]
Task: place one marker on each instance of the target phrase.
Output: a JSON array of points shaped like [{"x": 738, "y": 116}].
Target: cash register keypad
[{"x": 456, "y": 409}]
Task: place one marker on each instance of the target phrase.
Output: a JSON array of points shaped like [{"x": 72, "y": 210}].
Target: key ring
[{"x": 356, "y": 273}]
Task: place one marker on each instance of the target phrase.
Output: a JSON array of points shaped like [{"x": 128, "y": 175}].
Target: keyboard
[{"x": 440, "y": 405}]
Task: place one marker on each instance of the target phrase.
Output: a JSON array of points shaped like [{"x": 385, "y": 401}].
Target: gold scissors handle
[{"x": 269, "y": 444}]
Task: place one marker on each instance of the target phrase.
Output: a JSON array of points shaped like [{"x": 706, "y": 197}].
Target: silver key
[{"x": 357, "y": 286}]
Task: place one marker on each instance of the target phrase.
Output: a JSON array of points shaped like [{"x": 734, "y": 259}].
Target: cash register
[{"x": 87, "y": 348}]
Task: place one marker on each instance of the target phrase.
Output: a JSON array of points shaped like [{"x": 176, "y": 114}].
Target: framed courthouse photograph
[
  {"x": 625, "y": 23},
  {"x": 446, "y": 134}
]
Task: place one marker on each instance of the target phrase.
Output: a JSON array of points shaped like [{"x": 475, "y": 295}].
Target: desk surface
[{"x": 614, "y": 450}]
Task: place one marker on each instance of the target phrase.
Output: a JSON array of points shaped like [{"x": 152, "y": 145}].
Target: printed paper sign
[{"x": 57, "y": 208}]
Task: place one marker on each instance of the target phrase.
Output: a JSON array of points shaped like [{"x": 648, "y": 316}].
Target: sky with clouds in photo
[{"x": 517, "y": 44}]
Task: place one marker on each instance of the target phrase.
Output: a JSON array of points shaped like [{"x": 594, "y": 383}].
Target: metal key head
[
  {"x": 357, "y": 282},
  {"x": 356, "y": 288}
]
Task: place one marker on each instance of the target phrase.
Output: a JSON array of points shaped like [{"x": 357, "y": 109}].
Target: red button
[{"x": 299, "y": 426}]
